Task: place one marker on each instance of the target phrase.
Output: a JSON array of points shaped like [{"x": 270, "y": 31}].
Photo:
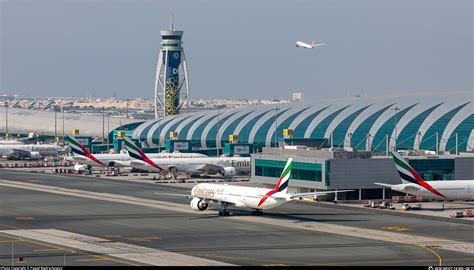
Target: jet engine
[
  {"x": 35, "y": 155},
  {"x": 229, "y": 171},
  {"x": 198, "y": 204}
]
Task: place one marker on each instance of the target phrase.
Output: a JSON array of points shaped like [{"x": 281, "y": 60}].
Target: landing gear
[
  {"x": 257, "y": 212},
  {"x": 223, "y": 211}
]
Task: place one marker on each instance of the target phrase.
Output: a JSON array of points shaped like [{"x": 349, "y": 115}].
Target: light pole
[
  {"x": 108, "y": 130},
  {"x": 396, "y": 109},
  {"x": 276, "y": 127},
  {"x": 55, "y": 124},
  {"x": 217, "y": 142},
  {"x": 62, "y": 108},
  {"x": 6, "y": 120}
]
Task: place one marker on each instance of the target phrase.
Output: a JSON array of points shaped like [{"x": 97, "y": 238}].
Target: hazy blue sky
[{"x": 238, "y": 48}]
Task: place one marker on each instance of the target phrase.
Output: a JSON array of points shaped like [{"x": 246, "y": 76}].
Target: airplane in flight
[
  {"x": 83, "y": 156},
  {"x": 30, "y": 151},
  {"x": 255, "y": 198},
  {"x": 226, "y": 166},
  {"x": 413, "y": 184},
  {"x": 312, "y": 45}
]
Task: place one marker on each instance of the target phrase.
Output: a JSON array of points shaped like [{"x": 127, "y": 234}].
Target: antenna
[{"x": 172, "y": 24}]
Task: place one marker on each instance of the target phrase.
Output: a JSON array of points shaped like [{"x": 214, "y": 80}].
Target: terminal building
[
  {"x": 338, "y": 143},
  {"x": 437, "y": 122},
  {"x": 324, "y": 169}
]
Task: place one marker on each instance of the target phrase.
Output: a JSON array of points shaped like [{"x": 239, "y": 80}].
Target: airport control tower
[{"x": 171, "y": 74}]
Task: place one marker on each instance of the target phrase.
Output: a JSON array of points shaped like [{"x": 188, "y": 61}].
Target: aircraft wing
[
  {"x": 211, "y": 168},
  {"x": 410, "y": 188},
  {"x": 312, "y": 194},
  {"x": 384, "y": 185}
]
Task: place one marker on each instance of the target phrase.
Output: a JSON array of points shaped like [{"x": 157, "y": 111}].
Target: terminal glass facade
[
  {"x": 434, "y": 169},
  {"x": 299, "y": 171}
]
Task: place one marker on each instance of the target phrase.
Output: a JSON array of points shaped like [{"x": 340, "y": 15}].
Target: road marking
[
  {"x": 430, "y": 249},
  {"x": 48, "y": 249},
  {"x": 143, "y": 239},
  {"x": 91, "y": 260},
  {"x": 24, "y": 218},
  {"x": 54, "y": 247},
  {"x": 114, "y": 249},
  {"x": 11, "y": 241},
  {"x": 394, "y": 237},
  {"x": 400, "y": 229}
]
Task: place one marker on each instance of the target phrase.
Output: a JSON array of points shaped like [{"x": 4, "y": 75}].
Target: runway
[{"x": 235, "y": 240}]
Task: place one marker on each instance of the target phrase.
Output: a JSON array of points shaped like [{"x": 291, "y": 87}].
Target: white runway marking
[
  {"x": 312, "y": 226},
  {"x": 114, "y": 249}
]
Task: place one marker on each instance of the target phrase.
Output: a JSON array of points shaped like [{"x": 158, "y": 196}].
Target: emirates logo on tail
[
  {"x": 409, "y": 175},
  {"x": 137, "y": 153},
  {"x": 282, "y": 184}
]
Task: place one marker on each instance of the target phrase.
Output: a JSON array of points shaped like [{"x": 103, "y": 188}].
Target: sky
[{"x": 238, "y": 49}]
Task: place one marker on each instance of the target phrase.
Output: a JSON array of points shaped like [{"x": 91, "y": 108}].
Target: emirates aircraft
[
  {"x": 413, "y": 184},
  {"x": 226, "y": 166},
  {"x": 255, "y": 198},
  {"x": 312, "y": 45},
  {"x": 82, "y": 156}
]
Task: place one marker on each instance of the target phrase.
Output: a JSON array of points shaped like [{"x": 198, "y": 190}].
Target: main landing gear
[
  {"x": 257, "y": 212},
  {"x": 223, "y": 211}
]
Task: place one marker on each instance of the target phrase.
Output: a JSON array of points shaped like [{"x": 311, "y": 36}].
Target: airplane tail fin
[
  {"x": 78, "y": 149},
  {"x": 409, "y": 175},
  {"x": 406, "y": 172},
  {"x": 136, "y": 153},
  {"x": 282, "y": 185}
]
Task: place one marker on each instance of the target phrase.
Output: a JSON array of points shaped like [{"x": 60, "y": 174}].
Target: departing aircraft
[
  {"x": 82, "y": 156},
  {"x": 254, "y": 198},
  {"x": 30, "y": 151},
  {"x": 227, "y": 166},
  {"x": 312, "y": 45},
  {"x": 10, "y": 142},
  {"x": 413, "y": 184}
]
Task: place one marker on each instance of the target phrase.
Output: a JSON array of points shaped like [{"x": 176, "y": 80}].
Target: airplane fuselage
[
  {"x": 239, "y": 196},
  {"x": 451, "y": 189},
  {"x": 195, "y": 165},
  {"x": 124, "y": 160},
  {"x": 43, "y": 150}
]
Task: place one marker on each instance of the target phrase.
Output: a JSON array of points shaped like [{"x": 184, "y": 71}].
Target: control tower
[{"x": 171, "y": 74}]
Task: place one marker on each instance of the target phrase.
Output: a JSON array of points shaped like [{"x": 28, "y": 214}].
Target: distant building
[{"x": 297, "y": 96}]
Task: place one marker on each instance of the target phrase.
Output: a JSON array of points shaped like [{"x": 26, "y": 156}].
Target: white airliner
[
  {"x": 30, "y": 151},
  {"x": 254, "y": 198},
  {"x": 413, "y": 184},
  {"x": 226, "y": 166},
  {"x": 312, "y": 45},
  {"x": 82, "y": 156}
]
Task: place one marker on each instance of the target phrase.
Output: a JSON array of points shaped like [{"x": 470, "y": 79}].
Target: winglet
[
  {"x": 78, "y": 149},
  {"x": 136, "y": 153}
]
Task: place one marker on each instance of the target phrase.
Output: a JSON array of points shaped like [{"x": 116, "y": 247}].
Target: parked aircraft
[
  {"x": 413, "y": 184},
  {"x": 83, "y": 156},
  {"x": 227, "y": 166},
  {"x": 30, "y": 151},
  {"x": 304, "y": 45}
]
